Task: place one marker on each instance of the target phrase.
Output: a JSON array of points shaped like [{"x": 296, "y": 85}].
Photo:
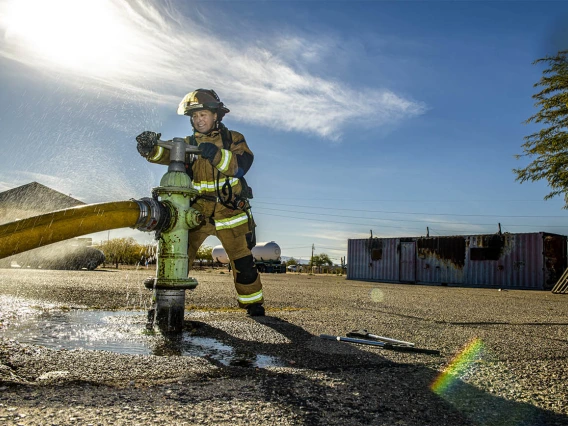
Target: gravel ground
[{"x": 518, "y": 375}]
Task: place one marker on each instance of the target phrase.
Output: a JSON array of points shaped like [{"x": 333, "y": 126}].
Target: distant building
[
  {"x": 35, "y": 199},
  {"x": 523, "y": 261},
  {"x": 32, "y": 199}
]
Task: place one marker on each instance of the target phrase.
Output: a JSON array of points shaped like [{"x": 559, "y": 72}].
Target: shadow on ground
[
  {"x": 318, "y": 382},
  {"x": 338, "y": 383}
]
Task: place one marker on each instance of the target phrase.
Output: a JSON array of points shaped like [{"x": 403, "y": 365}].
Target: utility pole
[{"x": 312, "y": 258}]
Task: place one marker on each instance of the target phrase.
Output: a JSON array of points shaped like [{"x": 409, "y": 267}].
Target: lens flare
[
  {"x": 481, "y": 406},
  {"x": 458, "y": 367},
  {"x": 88, "y": 36},
  {"x": 377, "y": 295}
]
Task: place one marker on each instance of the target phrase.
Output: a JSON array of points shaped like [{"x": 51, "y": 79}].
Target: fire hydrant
[{"x": 172, "y": 199}]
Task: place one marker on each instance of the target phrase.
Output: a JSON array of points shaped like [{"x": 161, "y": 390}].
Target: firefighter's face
[{"x": 204, "y": 120}]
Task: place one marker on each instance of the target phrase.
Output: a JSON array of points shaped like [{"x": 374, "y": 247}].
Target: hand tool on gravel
[
  {"x": 364, "y": 334},
  {"x": 383, "y": 345}
]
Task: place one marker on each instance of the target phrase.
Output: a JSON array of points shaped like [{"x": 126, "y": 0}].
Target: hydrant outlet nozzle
[{"x": 193, "y": 218}]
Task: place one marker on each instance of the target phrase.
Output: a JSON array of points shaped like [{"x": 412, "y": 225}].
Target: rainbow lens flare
[
  {"x": 458, "y": 367},
  {"x": 480, "y": 406}
]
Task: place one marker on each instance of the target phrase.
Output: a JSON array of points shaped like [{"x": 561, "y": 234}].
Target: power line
[
  {"x": 329, "y": 221},
  {"x": 293, "y": 248},
  {"x": 361, "y": 217},
  {"x": 394, "y": 220},
  {"x": 334, "y": 248},
  {"x": 414, "y": 213},
  {"x": 500, "y": 200},
  {"x": 453, "y": 231}
]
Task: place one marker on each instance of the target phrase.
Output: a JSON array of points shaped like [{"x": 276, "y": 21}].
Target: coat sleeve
[{"x": 236, "y": 160}]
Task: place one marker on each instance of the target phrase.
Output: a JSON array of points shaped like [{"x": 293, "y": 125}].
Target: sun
[{"x": 82, "y": 35}]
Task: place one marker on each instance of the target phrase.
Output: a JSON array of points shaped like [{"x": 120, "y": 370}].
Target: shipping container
[{"x": 503, "y": 260}]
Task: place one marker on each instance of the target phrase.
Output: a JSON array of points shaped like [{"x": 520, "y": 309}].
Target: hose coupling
[{"x": 153, "y": 215}]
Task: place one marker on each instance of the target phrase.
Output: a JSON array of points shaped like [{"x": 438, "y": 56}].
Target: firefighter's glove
[
  {"x": 208, "y": 150},
  {"x": 147, "y": 141}
]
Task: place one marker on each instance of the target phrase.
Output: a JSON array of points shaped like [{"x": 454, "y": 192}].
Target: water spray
[{"x": 167, "y": 212}]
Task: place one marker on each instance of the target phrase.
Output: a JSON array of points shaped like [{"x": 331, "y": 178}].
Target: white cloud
[
  {"x": 154, "y": 52},
  {"x": 336, "y": 235},
  {"x": 446, "y": 227}
]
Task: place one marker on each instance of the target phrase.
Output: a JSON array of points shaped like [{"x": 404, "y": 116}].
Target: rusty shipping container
[{"x": 523, "y": 261}]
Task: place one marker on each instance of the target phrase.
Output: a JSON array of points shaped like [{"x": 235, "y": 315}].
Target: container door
[{"x": 408, "y": 261}]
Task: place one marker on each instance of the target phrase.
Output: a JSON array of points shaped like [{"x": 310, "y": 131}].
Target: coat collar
[{"x": 212, "y": 133}]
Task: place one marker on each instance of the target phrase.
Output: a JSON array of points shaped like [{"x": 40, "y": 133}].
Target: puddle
[{"x": 117, "y": 331}]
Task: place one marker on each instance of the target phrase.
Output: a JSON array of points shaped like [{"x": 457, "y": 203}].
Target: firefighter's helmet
[{"x": 201, "y": 99}]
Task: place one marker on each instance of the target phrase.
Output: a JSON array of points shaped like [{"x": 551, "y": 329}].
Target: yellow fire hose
[
  {"x": 168, "y": 212},
  {"x": 38, "y": 231}
]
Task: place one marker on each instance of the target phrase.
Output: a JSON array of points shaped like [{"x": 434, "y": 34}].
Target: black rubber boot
[{"x": 255, "y": 310}]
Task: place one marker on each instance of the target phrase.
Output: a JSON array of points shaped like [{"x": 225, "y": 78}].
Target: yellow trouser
[{"x": 235, "y": 244}]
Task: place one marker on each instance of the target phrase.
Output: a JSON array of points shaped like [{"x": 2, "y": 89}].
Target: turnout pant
[{"x": 245, "y": 275}]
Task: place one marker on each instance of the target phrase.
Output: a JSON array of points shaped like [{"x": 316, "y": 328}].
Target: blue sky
[{"x": 371, "y": 115}]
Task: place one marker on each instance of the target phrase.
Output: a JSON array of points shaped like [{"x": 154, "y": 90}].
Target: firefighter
[{"x": 218, "y": 174}]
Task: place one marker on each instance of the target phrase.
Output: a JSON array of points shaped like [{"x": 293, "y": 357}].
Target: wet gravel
[{"x": 519, "y": 377}]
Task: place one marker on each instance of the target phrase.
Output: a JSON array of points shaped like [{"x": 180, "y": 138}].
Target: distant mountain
[{"x": 300, "y": 261}]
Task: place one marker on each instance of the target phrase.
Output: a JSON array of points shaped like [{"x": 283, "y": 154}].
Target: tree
[
  {"x": 121, "y": 250},
  {"x": 322, "y": 259},
  {"x": 319, "y": 260},
  {"x": 204, "y": 253},
  {"x": 148, "y": 253},
  {"x": 291, "y": 261},
  {"x": 550, "y": 144}
]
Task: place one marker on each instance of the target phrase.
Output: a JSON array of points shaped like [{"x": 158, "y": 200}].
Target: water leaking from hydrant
[
  {"x": 121, "y": 332},
  {"x": 168, "y": 213}
]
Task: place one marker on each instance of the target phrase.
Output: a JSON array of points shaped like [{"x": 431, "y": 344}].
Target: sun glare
[{"x": 87, "y": 35}]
